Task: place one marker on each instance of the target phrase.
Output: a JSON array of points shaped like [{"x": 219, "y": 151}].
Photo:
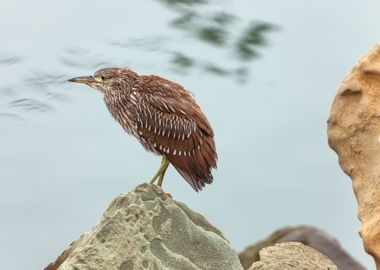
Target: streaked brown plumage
[{"x": 164, "y": 117}]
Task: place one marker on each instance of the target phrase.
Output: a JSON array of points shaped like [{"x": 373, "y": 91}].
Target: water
[{"x": 263, "y": 72}]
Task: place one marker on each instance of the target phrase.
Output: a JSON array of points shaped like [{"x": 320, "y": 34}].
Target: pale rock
[
  {"x": 309, "y": 236},
  {"x": 147, "y": 229},
  {"x": 354, "y": 133},
  {"x": 292, "y": 256}
]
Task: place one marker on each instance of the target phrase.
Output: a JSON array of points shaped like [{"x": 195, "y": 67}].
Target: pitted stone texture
[
  {"x": 309, "y": 236},
  {"x": 354, "y": 133},
  {"x": 147, "y": 229},
  {"x": 292, "y": 256}
]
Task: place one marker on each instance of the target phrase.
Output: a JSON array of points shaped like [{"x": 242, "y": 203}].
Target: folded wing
[{"x": 172, "y": 124}]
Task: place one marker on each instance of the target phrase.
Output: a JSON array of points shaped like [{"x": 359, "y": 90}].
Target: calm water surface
[{"x": 264, "y": 72}]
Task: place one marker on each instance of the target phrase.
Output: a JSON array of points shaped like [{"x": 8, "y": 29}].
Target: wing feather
[{"x": 177, "y": 129}]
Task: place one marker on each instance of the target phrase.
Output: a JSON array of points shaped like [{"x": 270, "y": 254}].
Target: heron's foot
[{"x": 160, "y": 173}]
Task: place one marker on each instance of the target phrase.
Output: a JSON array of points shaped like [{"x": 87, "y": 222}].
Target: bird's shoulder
[
  {"x": 157, "y": 85},
  {"x": 167, "y": 96},
  {"x": 172, "y": 99}
]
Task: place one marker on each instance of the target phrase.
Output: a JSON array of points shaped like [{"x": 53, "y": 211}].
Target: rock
[
  {"x": 251, "y": 253},
  {"x": 147, "y": 229},
  {"x": 353, "y": 132},
  {"x": 310, "y": 236},
  {"x": 292, "y": 256}
]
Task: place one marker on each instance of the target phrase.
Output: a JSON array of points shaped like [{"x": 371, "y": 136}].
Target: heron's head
[{"x": 108, "y": 79}]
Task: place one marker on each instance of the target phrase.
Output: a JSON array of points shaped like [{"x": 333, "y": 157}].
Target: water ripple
[{"x": 9, "y": 60}]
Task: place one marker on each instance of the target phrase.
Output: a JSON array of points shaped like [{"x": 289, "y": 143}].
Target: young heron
[{"x": 164, "y": 117}]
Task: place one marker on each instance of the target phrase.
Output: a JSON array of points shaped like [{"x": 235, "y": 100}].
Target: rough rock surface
[
  {"x": 310, "y": 236},
  {"x": 354, "y": 133},
  {"x": 292, "y": 256},
  {"x": 147, "y": 229}
]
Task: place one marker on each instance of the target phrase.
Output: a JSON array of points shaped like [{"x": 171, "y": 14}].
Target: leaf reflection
[
  {"x": 232, "y": 44},
  {"x": 182, "y": 61},
  {"x": 252, "y": 38},
  {"x": 180, "y": 3}
]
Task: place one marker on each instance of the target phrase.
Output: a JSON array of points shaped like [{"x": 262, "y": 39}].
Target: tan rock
[
  {"x": 309, "y": 236},
  {"x": 147, "y": 229},
  {"x": 354, "y": 133},
  {"x": 292, "y": 256}
]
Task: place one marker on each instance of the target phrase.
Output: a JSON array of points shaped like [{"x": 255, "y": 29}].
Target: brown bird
[{"x": 164, "y": 117}]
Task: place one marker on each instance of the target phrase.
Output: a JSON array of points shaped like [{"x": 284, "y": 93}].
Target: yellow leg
[
  {"x": 161, "y": 172},
  {"x": 165, "y": 166}
]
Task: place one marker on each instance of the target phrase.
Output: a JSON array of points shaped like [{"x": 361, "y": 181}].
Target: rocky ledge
[{"x": 147, "y": 229}]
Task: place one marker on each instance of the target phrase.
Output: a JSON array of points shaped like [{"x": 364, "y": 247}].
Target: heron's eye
[{"x": 99, "y": 78}]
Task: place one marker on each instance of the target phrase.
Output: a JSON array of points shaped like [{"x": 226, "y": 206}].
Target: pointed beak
[{"x": 84, "y": 79}]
